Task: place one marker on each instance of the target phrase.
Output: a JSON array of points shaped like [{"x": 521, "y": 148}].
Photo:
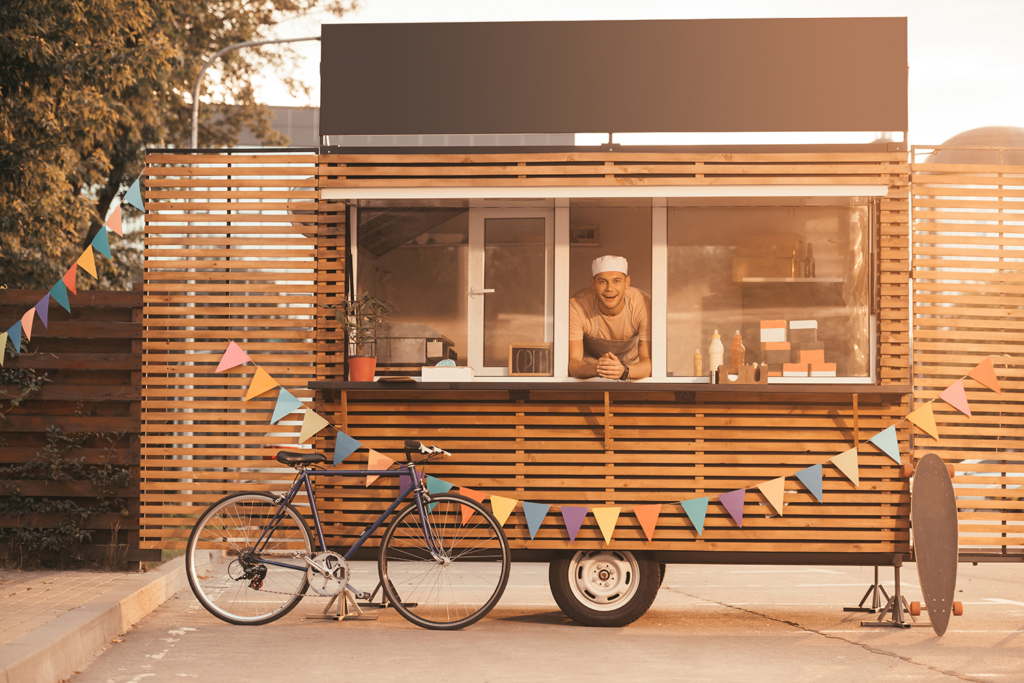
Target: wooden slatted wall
[
  {"x": 969, "y": 305},
  {"x": 231, "y": 249},
  {"x": 559, "y": 449}
]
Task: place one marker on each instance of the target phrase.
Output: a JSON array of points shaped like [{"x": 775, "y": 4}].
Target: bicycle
[{"x": 250, "y": 558}]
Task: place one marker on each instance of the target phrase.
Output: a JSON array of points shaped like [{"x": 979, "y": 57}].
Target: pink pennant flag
[
  {"x": 467, "y": 512},
  {"x": 377, "y": 461},
  {"x": 26, "y": 322},
  {"x": 232, "y": 358},
  {"x": 733, "y": 502},
  {"x": 648, "y": 516},
  {"x": 69, "y": 279},
  {"x": 955, "y": 396},
  {"x": 114, "y": 222},
  {"x": 573, "y": 517},
  {"x": 986, "y": 374}
]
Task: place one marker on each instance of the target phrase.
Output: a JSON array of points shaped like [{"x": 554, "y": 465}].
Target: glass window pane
[
  {"x": 515, "y": 268},
  {"x": 746, "y": 268}
]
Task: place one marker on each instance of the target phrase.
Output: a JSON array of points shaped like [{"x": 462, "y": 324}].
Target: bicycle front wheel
[
  {"x": 459, "y": 583},
  {"x": 241, "y": 562}
]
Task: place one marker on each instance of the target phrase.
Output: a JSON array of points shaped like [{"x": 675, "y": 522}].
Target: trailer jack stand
[
  {"x": 876, "y": 592},
  {"x": 897, "y": 608}
]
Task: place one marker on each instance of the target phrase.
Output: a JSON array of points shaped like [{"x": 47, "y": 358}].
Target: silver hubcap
[{"x": 603, "y": 580}]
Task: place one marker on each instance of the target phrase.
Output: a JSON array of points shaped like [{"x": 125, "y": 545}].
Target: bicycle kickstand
[{"x": 346, "y": 601}]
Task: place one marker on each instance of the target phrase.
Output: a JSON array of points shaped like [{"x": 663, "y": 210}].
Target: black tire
[
  {"x": 466, "y": 586},
  {"x": 662, "y": 568},
  {"x": 221, "y": 545},
  {"x": 604, "y": 587}
]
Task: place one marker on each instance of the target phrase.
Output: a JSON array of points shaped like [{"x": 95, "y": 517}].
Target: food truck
[{"x": 470, "y": 175}]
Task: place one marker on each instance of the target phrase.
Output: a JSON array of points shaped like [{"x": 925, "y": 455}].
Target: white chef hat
[{"x": 603, "y": 264}]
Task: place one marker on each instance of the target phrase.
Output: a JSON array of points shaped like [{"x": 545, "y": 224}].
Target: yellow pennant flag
[
  {"x": 848, "y": 463},
  {"x": 774, "y": 491},
  {"x": 87, "y": 261},
  {"x": 311, "y": 424},
  {"x": 606, "y": 519},
  {"x": 3, "y": 347},
  {"x": 925, "y": 419},
  {"x": 261, "y": 384},
  {"x": 502, "y": 508},
  {"x": 376, "y": 461}
]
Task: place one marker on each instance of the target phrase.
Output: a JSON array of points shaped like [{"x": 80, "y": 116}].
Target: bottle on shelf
[
  {"x": 809, "y": 263},
  {"x": 698, "y": 366},
  {"x": 716, "y": 353},
  {"x": 737, "y": 353}
]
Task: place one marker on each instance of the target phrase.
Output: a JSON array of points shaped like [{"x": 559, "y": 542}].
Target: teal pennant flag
[
  {"x": 535, "y": 513},
  {"x": 888, "y": 443},
  {"x": 286, "y": 403},
  {"x": 344, "y": 446},
  {"x": 59, "y": 293},
  {"x": 134, "y": 195},
  {"x": 811, "y": 478},
  {"x": 14, "y": 334},
  {"x": 101, "y": 244},
  {"x": 696, "y": 509},
  {"x": 437, "y": 486}
]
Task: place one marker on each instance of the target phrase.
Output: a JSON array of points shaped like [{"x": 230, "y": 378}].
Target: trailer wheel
[{"x": 604, "y": 587}]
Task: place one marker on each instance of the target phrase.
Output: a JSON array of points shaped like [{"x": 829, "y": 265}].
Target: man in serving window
[{"x": 610, "y": 325}]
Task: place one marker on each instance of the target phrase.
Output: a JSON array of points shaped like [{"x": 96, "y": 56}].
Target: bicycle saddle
[{"x": 303, "y": 458}]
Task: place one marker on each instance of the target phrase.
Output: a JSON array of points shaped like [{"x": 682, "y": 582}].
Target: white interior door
[{"x": 511, "y": 284}]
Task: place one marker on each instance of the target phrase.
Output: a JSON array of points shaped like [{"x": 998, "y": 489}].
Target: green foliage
[
  {"x": 86, "y": 87},
  {"x": 359, "y": 317},
  {"x": 26, "y": 380}
]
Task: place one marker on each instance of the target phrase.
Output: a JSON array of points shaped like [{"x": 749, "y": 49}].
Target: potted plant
[{"x": 360, "y": 317}]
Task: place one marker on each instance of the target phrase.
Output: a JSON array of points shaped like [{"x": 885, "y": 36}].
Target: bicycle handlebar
[{"x": 412, "y": 445}]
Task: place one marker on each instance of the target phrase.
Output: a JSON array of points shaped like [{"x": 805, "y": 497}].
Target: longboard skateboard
[{"x": 936, "y": 539}]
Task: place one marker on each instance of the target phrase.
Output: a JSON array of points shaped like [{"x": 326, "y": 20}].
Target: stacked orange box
[
  {"x": 812, "y": 356},
  {"x": 773, "y": 331},
  {"x": 823, "y": 369},
  {"x": 794, "y": 370}
]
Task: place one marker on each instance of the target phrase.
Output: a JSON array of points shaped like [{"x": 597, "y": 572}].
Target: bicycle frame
[{"x": 304, "y": 481}]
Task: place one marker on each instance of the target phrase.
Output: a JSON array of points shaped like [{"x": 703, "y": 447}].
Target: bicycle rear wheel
[
  {"x": 460, "y": 585},
  {"x": 227, "y": 571}
]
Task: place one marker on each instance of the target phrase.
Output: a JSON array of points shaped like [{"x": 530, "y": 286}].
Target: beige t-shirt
[{"x": 583, "y": 309}]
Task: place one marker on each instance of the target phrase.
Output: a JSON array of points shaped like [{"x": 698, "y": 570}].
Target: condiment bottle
[
  {"x": 715, "y": 355},
  {"x": 737, "y": 353},
  {"x": 809, "y": 264},
  {"x": 698, "y": 366}
]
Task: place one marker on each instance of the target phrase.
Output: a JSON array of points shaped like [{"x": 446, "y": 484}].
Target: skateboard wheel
[
  {"x": 951, "y": 469},
  {"x": 915, "y": 609},
  {"x": 908, "y": 470},
  {"x": 958, "y": 609}
]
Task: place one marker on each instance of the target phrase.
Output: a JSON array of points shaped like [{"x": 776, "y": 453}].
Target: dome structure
[{"x": 989, "y": 136}]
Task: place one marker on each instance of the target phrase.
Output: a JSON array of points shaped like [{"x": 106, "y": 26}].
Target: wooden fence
[
  {"x": 70, "y": 452},
  {"x": 968, "y": 305}
]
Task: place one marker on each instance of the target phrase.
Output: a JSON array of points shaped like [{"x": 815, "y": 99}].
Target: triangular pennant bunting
[
  {"x": 437, "y": 486},
  {"x": 43, "y": 310},
  {"x": 261, "y": 383},
  {"x": 888, "y": 443},
  {"x": 648, "y": 515},
  {"x": 344, "y": 446},
  {"x": 606, "y": 519},
  {"x": 26, "y": 323},
  {"x": 955, "y": 396},
  {"x": 286, "y": 403},
  {"x": 848, "y": 463},
  {"x": 478, "y": 496},
  {"x": 696, "y": 509},
  {"x": 87, "y": 261},
  {"x": 3, "y": 347},
  {"x": 69, "y": 279},
  {"x": 811, "y": 478},
  {"x": 114, "y": 221},
  {"x": 232, "y": 358},
  {"x": 134, "y": 194},
  {"x": 377, "y": 461},
  {"x": 59, "y": 293},
  {"x": 502, "y": 508},
  {"x": 535, "y": 513},
  {"x": 311, "y": 425},
  {"x": 986, "y": 374},
  {"x": 14, "y": 334},
  {"x": 573, "y": 517},
  {"x": 100, "y": 242},
  {"x": 734, "y": 502},
  {"x": 774, "y": 490},
  {"x": 924, "y": 418}
]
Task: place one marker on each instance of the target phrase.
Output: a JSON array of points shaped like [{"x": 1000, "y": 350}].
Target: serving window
[{"x": 471, "y": 278}]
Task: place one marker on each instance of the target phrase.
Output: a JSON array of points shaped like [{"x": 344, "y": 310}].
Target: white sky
[{"x": 966, "y": 56}]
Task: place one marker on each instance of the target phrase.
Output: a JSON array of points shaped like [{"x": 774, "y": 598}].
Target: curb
[{"x": 56, "y": 650}]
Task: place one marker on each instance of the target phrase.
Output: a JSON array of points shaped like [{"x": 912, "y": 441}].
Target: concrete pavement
[{"x": 759, "y": 623}]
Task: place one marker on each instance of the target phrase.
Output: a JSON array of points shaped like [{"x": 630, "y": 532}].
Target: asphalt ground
[{"x": 709, "y": 623}]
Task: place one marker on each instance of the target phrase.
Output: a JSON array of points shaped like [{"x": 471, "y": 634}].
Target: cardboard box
[
  {"x": 434, "y": 373},
  {"x": 812, "y": 356},
  {"x": 773, "y": 334},
  {"x": 801, "y": 331},
  {"x": 794, "y": 370},
  {"x": 823, "y": 369}
]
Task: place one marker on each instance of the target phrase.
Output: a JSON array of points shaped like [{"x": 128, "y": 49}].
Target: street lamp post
[{"x": 215, "y": 57}]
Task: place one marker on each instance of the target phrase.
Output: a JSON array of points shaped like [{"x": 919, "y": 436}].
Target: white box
[
  {"x": 823, "y": 373},
  {"x": 434, "y": 373},
  {"x": 773, "y": 334},
  {"x": 803, "y": 324}
]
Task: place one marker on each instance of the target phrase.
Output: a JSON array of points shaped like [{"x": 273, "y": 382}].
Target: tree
[{"x": 86, "y": 87}]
